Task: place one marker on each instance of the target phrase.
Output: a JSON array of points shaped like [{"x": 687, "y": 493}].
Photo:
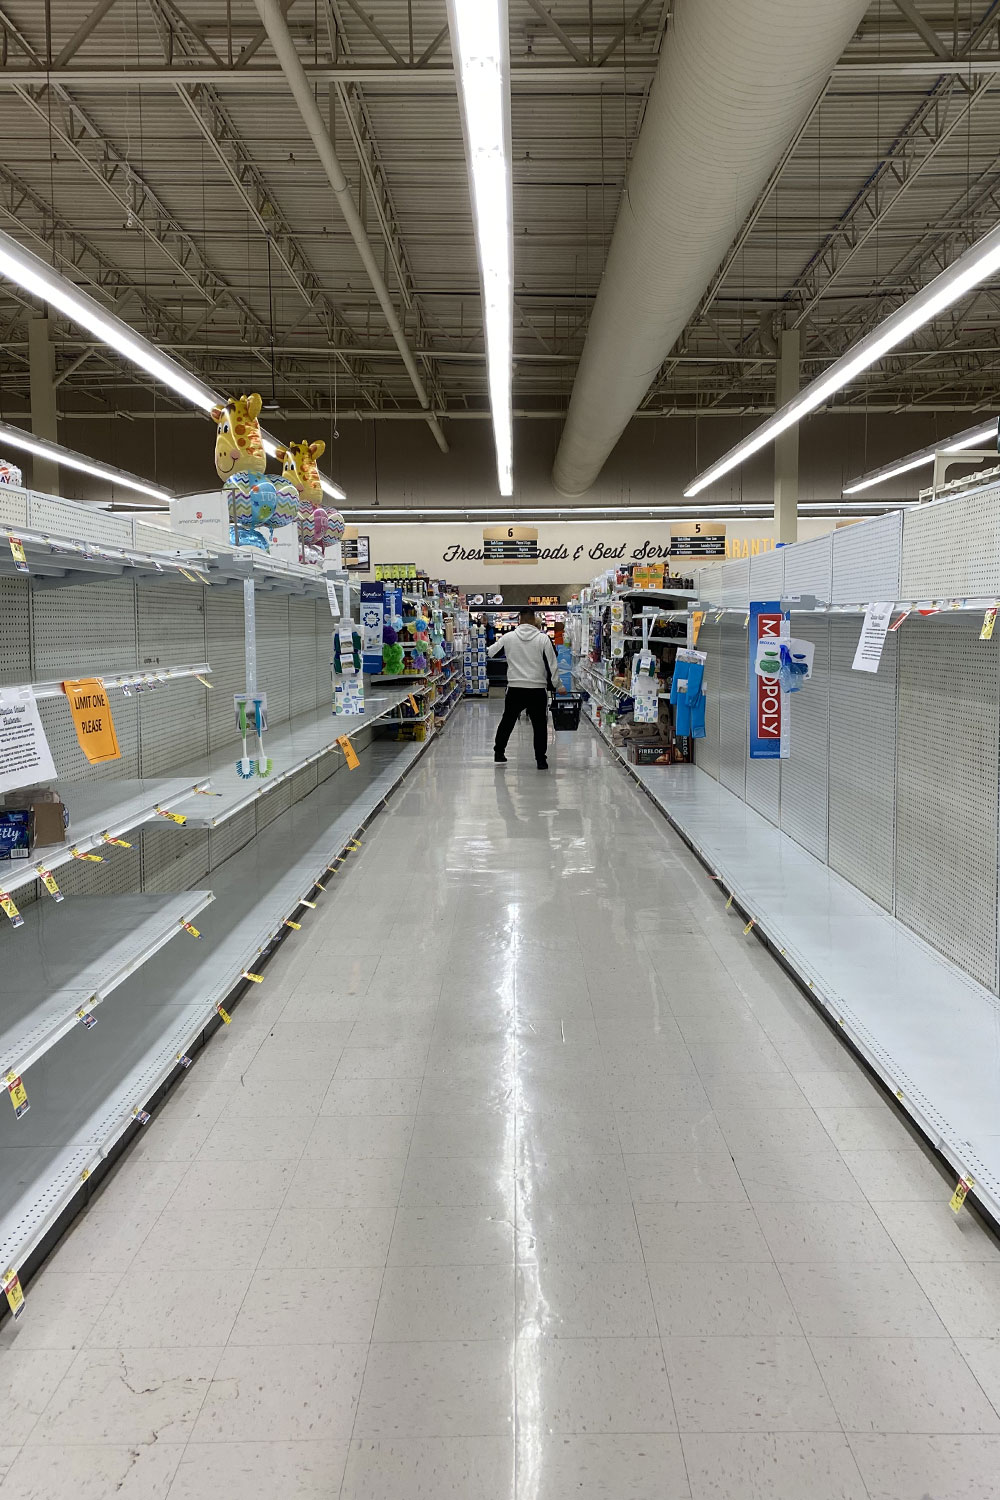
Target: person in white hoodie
[{"x": 532, "y": 668}]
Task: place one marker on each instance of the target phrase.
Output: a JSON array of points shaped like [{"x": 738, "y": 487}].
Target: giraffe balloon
[
  {"x": 240, "y": 461},
  {"x": 318, "y": 526}
]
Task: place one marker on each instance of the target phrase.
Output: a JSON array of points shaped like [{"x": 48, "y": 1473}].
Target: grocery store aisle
[{"x": 524, "y": 1175}]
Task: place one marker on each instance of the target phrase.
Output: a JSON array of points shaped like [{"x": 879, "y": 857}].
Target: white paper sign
[
  {"x": 331, "y": 594},
  {"x": 25, "y": 757},
  {"x": 869, "y": 652}
]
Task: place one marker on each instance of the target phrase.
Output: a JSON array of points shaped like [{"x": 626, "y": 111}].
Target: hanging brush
[
  {"x": 260, "y": 722},
  {"x": 244, "y": 766}
]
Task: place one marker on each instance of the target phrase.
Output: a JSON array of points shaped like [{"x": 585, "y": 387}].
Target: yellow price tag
[
  {"x": 958, "y": 1197},
  {"x": 190, "y": 928},
  {"x": 203, "y": 680},
  {"x": 253, "y": 978},
  {"x": 177, "y": 818},
  {"x": 13, "y": 1293},
  {"x": 746, "y": 622},
  {"x": 320, "y": 887},
  {"x": 17, "y": 553},
  {"x": 97, "y": 859},
  {"x": 311, "y": 904},
  {"x": 729, "y": 903},
  {"x": 9, "y": 909},
  {"x": 118, "y": 843},
  {"x": 750, "y": 926},
  {"x": 989, "y": 620},
  {"x": 295, "y": 926},
  {"x": 350, "y": 755},
  {"x": 18, "y": 1094},
  {"x": 413, "y": 702},
  {"x": 226, "y": 1017},
  {"x": 189, "y": 576},
  {"x": 49, "y": 881}
]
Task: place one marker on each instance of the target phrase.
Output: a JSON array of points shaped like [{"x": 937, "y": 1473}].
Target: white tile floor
[{"x": 523, "y": 1176}]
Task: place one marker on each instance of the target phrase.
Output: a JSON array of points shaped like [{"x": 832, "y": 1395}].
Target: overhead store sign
[
  {"x": 769, "y": 737},
  {"x": 698, "y": 541},
  {"x": 510, "y": 544}
]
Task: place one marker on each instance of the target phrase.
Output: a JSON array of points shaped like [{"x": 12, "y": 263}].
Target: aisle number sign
[
  {"x": 95, "y": 730},
  {"x": 510, "y": 544}
]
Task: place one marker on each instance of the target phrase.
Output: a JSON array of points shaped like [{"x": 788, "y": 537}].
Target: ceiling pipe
[
  {"x": 273, "y": 19},
  {"x": 733, "y": 84}
]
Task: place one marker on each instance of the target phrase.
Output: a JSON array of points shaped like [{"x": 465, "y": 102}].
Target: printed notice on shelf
[
  {"x": 95, "y": 729},
  {"x": 869, "y": 652},
  {"x": 331, "y": 594},
  {"x": 25, "y": 757}
]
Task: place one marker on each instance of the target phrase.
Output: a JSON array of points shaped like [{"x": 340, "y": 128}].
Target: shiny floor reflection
[{"x": 524, "y": 1176}]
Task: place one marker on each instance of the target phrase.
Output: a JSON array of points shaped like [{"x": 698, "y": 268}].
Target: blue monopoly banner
[{"x": 768, "y": 716}]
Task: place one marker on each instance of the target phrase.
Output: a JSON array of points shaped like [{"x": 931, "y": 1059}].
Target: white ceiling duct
[{"x": 734, "y": 83}]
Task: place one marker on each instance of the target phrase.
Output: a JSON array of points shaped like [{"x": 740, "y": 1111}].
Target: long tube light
[
  {"x": 479, "y": 43},
  {"x": 978, "y": 263},
  {"x": 972, "y": 437},
  {"x": 68, "y": 458},
  {"x": 442, "y": 515},
  {"x": 31, "y": 273}
]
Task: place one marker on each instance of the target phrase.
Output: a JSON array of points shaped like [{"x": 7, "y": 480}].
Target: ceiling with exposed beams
[{"x": 153, "y": 152}]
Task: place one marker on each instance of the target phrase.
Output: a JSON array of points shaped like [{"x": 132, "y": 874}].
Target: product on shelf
[{"x": 254, "y": 499}]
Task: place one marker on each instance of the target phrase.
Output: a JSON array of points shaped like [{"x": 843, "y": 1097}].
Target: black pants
[{"x": 536, "y": 702}]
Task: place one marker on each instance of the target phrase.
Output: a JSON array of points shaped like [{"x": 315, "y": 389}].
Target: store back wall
[{"x": 395, "y": 463}]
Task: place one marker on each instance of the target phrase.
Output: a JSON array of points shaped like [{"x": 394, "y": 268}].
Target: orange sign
[
  {"x": 349, "y": 752},
  {"x": 95, "y": 730}
]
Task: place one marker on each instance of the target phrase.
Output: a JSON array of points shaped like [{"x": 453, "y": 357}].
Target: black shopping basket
[{"x": 566, "y": 711}]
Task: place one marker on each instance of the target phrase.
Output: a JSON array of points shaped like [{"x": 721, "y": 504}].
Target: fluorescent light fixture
[
  {"x": 67, "y": 458},
  {"x": 479, "y": 43},
  {"x": 978, "y": 264},
  {"x": 972, "y": 437},
  {"x": 31, "y": 273}
]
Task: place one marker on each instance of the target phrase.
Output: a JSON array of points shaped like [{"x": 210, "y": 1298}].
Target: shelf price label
[
  {"x": 989, "y": 620},
  {"x": 172, "y": 817},
  {"x": 295, "y": 926},
  {"x": 18, "y": 554},
  {"x": 413, "y": 702},
  {"x": 311, "y": 904},
  {"x": 86, "y": 1018},
  {"x": 10, "y": 910},
  {"x": 97, "y": 859},
  {"x": 18, "y": 1094},
  {"x": 91, "y": 711},
  {"x": 118, "y": 843},
  {"x": 14, "y": 1293},
  {"x": 190, "y": 929},
  {"x": 49, "y": 881},
  {"x": 224, "y": 1015},
  {"x": 350, "y": 754},
  {"x": 962, "y": 1191},
  {"x": 253, "y": 978}
]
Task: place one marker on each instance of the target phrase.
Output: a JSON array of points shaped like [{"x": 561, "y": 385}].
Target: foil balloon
[
  {"x": 318, "y": 527},
  {"x": 240, "y": 461}
]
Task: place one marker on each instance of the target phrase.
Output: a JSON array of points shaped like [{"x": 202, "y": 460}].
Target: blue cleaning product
[{"x": 687, "y": 695}]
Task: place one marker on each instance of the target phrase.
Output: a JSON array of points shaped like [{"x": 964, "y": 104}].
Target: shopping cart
[{"x": 566, "y": 710}]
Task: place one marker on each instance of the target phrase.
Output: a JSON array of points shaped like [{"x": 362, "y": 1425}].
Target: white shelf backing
[
  {"x": 927, "y": 1029},
  {"x": 70, "y": 956},
  {"x": 291, "y": 746},
  {"x": 97, "y": 808},
  {"x": 85, "y": 1092}
]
